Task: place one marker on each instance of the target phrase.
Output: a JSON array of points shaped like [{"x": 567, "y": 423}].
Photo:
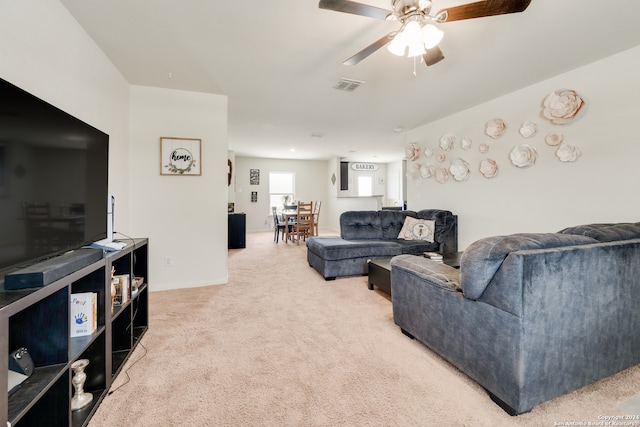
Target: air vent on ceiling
[{"x": 347, "y": 85}]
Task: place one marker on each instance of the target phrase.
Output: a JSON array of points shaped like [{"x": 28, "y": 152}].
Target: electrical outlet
[{"x": 168, "y": 261}]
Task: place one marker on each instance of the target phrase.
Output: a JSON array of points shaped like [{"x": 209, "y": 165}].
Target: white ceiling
[{"x": 277, "y": 61}]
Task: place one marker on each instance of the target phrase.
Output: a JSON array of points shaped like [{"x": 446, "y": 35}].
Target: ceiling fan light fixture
[
  {"x": 397, "y": 45},
  {"x": 431, "y": 36},
  {"x": 416, "y": 49},
  {"x": 412, "y": 33}
]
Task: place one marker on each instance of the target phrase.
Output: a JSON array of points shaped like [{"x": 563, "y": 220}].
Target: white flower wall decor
[
  {"x": 447, "y": 141},
  {"x": 561, "y": 106},
  {"x": 427, "y": 171},
  {"x": 428, "y": 152},
  {"x": 412, "y": 151},
  {"x": 568, "y": 153},
  {"x": 528, "y": 129},
  {"x": 495, "y": 128},
  {"x": 446, "y": 159},
  {"x": 442, "y": 175},
  {"x": 554, "y": 138},
  {"x": 488, "y": 168},
  {"x": 523, "y": 155},
  {"x": 459, "y": 169}
]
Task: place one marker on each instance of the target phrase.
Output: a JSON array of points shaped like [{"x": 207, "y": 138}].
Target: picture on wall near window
[
  {"x": 254, "y": 177},
  {"x": 254, "y": 196},
  {"x": 180, "y": 156}
]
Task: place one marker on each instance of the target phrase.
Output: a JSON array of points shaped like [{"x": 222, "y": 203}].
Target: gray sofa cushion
[
  {"x": 483, "y": 258},
  {"x": 432, "y": 272},
  {"x": 332, "y": 248},
  {"x": 392, "y": 222},
  {"x": 360, "y": 225},
  {"x": 606, "y": 232}
]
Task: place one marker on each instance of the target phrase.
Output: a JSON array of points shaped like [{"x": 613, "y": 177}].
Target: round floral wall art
[
  {"x": 562, "y": 106},
  {"x": 447, "y": 141},
  {"x": 488, "y": 168},
  {"x": 495, "y": 128},
  {"x": 523, "y": 156},
  {"x": 568, "y": 153},
  {"x": 412, "y": 151}
]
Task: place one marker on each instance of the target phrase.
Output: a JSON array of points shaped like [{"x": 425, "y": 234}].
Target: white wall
[
  {"x": 336, "y": 205},
  {"x": 550, "y": 195},
  {"x": 44, "y": 51},
  {"x": 310, "y": 175},
  {"x": 185, "y": 217},
  {"x": 396, "y": 189}
]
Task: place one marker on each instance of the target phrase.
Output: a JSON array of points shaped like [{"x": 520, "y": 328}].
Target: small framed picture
[
  {"x": 254, "y": 196},
  {"x": 180, "y": 156},
  {"x": 254, "y": 177}
]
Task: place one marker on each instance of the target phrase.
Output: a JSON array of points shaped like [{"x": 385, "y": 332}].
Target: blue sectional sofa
[
  {"x": 529, "y": 316},
  {"x": 366, "y": 235}
]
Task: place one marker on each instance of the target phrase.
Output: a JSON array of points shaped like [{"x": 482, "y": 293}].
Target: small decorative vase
[
  {"x": 81, "y": 398},
  {"x": 113, "y": 295}
]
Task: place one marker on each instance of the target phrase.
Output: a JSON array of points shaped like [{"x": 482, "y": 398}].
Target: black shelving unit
[
  {"x": 237, "y": 230},
  {"x": 39, "y": 319}
]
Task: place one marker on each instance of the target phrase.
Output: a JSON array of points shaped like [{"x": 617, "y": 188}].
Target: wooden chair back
[
  {"x": 304, "y": 221},
  {"x": 316, "y": 216}
]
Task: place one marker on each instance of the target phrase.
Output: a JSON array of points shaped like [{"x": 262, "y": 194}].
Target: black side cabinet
[{"x": 237, "y": 230}]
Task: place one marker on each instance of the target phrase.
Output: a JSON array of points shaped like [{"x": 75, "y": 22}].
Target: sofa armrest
[{"x": 432, "y": 272}]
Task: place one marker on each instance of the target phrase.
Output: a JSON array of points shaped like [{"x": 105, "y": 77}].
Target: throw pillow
[{"x": 417, "y": 229}]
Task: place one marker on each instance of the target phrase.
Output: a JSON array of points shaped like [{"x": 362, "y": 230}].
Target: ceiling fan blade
[
  {"x": 481, "y": 9},
  {"x": 370, "y": 49},
  {"x": 433, "y": 56},
  {"x": 354, "y": 8}
]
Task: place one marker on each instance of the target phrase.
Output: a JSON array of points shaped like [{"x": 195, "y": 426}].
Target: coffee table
[
  {"x": 380, "y": 270},
  {"x": 380, "y": 274}
]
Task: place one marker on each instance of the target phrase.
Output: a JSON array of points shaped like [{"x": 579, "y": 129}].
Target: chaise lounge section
[
  {"x": 529, "y": 316},
  {"x": 366, "y": 235}
]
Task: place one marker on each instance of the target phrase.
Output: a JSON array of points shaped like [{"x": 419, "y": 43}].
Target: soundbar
[{"x": 47, "y": 272}]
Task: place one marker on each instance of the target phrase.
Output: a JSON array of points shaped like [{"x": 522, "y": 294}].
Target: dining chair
[
  {"x": 304, "y": 221},
  {"x": 316, "y": 216},
  {"x": 279, "y": 227}
]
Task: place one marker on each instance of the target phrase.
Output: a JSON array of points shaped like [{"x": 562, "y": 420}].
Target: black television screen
[{"x": 53, "y": 180}]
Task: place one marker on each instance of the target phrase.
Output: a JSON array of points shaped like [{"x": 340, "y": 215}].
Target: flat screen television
[{"x": 53, "y": 180}]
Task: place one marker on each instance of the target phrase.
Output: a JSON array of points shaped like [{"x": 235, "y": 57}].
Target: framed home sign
[{"x": 180, "y": 156}]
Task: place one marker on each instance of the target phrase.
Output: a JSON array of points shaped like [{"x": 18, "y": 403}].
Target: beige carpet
[{"x": 279, "y": 346}]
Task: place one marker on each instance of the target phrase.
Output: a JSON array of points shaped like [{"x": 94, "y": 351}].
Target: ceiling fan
[{"x": 418, "y": 36}]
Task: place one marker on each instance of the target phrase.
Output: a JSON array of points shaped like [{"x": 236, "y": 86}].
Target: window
[
  {"x": 281, "y": 189},
  {"x": 365, "y": 185}
]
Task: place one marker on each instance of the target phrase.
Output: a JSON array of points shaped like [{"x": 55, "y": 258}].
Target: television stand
[{"x": 39, "y": 320}]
